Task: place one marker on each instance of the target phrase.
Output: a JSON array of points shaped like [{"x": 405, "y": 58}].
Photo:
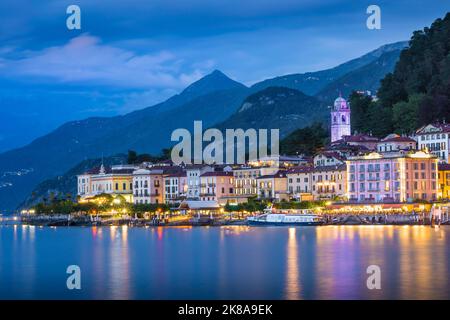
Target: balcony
[{"x": 207, "y": 194}]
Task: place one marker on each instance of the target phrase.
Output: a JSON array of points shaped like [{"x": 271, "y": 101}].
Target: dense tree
[
  {"x": 405, "y": 115},
  {"x": 132, "y": 157},
  {"x": 419, "y": 88},
  {"x": 360, "y": 104},
  {"x": 306, "y": 141}
]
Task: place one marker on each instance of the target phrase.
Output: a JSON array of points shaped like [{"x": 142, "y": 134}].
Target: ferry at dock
[{"x": 269, "y": 218}]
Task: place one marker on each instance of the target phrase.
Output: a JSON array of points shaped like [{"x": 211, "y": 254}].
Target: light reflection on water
[{"x": 238, "y": 262}]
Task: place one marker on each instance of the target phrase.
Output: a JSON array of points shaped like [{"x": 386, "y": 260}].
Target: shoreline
[{"x": 87, "y": 221}]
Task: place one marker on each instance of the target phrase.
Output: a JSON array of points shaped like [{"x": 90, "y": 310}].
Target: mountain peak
[{"x": 214, "y": 81}]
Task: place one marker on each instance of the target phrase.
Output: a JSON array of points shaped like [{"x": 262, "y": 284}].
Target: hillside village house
[
  {"x": 435, "y": 138},
  {"x": 394, "y": 142},
  {"x": 328, "y": 158},
  {"x": 392, "y": 177}
]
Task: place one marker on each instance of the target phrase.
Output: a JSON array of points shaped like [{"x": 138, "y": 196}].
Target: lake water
[{"x": 238, "y": 262}]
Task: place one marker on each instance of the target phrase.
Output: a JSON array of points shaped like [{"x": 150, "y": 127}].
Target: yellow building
[
  {"x": 444, "y": 181},
  {"x": 115, "y": 180},
  {"x": 273, "y": 186},
  {"x": 329, "y": 182}
]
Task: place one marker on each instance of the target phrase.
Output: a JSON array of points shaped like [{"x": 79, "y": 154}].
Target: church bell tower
[{"x": 340, "y": 119}]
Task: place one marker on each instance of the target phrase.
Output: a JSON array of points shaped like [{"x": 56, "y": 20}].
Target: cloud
[{"x": 85, "y": 60}]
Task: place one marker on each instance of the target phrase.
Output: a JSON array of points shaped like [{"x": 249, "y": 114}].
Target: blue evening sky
[{"x": 132, "y": 54}]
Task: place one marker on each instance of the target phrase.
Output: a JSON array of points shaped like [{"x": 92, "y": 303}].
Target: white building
[
  {"x": 340, "y": 119},
  {"x": 175, "y": 187},
  {"x": 141, "y": 186},
  {"x": 328, "y": 158},
  {"x": 193, "y": 173},
  {"x": 394, "y": 142},
  {"x": 435, "y": 138}
]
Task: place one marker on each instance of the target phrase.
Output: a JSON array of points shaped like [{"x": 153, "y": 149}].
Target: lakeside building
[
  {"x": 435, "y": 138},
  {"x": 193, "y": 173},
  {"x": 300, "y": 183},
  {"x": 217, "y": 186},
  {"x": 175, "y": 187},
  {"x": 392, "y": 177},
  {"x": 141, "y": 185},
  {"x": 114, "y": 180},
  {"x": 444, "y": 180},
  {"x": 273, "y": 186},
  {"x": 149, "y": 184},
  {"x": 329, "y": 182},
  {"x": 245, "y": 179}
]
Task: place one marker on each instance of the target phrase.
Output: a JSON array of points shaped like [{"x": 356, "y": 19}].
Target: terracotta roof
[
  {"x": 341, "y": 167},
  {"x": 217, "y": 174},
  {"x": 300, "y": 169},
  {"x": 444, "y": 127},
  {"x": 360, "y": 138},
  {"x": 398, "y": 139},
  {"x": 177, "y": 174},
  {"x": 279, "y": 174},
  {"x": 332, "y": 154}
]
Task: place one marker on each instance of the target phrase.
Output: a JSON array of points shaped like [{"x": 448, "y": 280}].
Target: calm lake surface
[{"x": 238, "y": 262}]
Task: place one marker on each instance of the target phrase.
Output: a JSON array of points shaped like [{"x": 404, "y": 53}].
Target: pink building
[
  {"x": 392, "y": 177},
  {"x": 216, "y": 186}
]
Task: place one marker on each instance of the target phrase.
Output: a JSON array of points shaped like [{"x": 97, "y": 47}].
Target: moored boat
[{"x": 285, "y": 219}]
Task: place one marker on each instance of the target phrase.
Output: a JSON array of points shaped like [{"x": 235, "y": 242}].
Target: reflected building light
[
  {"x": 124, "y": 234},
  {"x": 292, "y": 272},
  {"x": 113, "y": 230}
]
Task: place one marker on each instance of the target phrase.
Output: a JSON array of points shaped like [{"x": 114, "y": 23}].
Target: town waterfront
[{"x": 228, "y": 262}]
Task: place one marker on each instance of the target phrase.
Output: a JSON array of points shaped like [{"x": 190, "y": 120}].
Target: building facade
[
  {"x": 299, "y": 183},
  {"x": 392, "y": 177},
  {"x": 435, "y": 138},
  {"x": 115, "y": 180},
  {"x": 193, "y": 173},
  {"x": 245, "y": 179},
  {"x": 273, "y": 186},
  {"x": 394, "y": 142},
  {"x": 329, "y": 182},
  {"x": 216, "y": 186},
  {"x": 175, "y": 187},
  {"x": 444, "y": 180}
]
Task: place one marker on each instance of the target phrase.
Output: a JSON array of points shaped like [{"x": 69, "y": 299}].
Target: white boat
[{"x": 268, "y": 218}]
